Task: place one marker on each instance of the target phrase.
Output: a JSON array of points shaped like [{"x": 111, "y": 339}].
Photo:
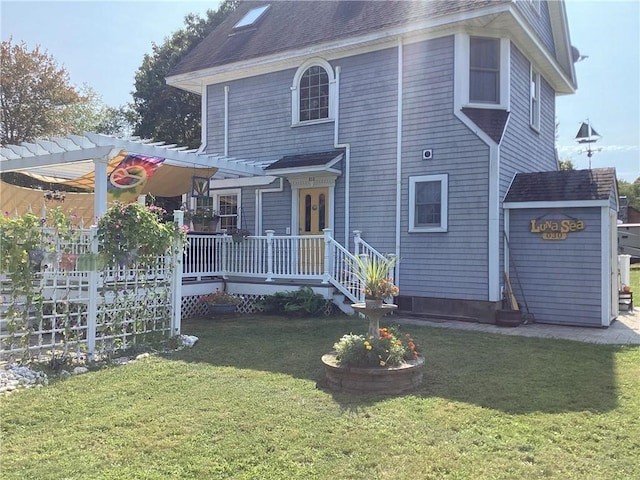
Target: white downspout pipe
[
  {"x": 226, "y": 120},
  {"x": 259, "y": 192},
  {"x": 399, "y": 157},
  {"x": 347, "y": 158}
]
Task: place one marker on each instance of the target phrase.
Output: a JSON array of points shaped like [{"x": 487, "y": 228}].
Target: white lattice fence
[{"x": 74, "y": 309}]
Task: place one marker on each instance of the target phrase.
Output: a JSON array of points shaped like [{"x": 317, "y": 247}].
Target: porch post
[
  {"x": 328, "y": 255},
  {"x": 223, "y": 257},
  {"x": 356, "y": 242},
  {"x": 269, "y": 255}
]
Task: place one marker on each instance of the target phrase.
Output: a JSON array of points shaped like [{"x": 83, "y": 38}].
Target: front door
[{"x": 313, "y": 218}]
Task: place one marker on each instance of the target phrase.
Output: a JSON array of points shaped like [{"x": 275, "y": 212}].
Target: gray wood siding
[
  {"x": 522, "y": 148},
  {"x": 560, "y": 278},
  {"x": 540, "y": 21},
  {"x": 452, "y": 264},
  {"x": 368, "y": 113},
  {"x": 276, "y": 209},
  {"x": 260, "y": 120}
]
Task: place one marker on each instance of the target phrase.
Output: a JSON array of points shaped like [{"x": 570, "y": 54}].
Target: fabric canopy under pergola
[{"x": 88, "y": 160}]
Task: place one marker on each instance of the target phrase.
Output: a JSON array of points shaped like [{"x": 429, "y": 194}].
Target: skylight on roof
[{"x": 251, "y": 17}]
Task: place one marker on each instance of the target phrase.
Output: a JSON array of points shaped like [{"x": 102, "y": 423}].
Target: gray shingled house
[{"x": 403, "y": 121}]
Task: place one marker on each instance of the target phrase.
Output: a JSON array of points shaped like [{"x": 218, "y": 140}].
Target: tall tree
[
  {"x": 631, "y": 191},
  {"x": 35, "y": 94},
  {"x": 164, "y": 112}
]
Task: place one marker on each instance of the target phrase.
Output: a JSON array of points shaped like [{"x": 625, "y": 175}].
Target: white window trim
[
  {"x": 444, "y": 206},
  {"x": 216, "y": 194},
  {"x": 534, "y": 99},
  {"x": 462, "y": 62},
  {"x": 295, "y": 91}
]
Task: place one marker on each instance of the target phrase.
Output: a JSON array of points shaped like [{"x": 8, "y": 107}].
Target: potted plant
[
  {"x": 134, "y": 233},
  {"x": 373, "y": 274},
  {"x": 204, "y": 219},
  {"x": 238, "y": 234},
  {"x": 388, "y": 363},
  {"x": 220, "y": 302}
]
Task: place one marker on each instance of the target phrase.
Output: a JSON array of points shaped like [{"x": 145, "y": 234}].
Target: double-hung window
[
  {"x": 228, "y": 209},
  {"x": 484, "y": 70},
  {"x": 534, "y": 100},
  {"x": 428, "y": 199}
]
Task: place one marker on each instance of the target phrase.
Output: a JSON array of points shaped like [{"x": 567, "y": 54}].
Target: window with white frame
[
  {"x": 482, "y": 71},
  {"x": 428, "y": 198},
  {"x": 312, "y": 92},
  {"x": 228, "y": 206},
  {"x": 534, "y": 100}
]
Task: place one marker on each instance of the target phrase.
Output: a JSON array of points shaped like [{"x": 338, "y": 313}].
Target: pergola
[{"x": 87, "y": 160}]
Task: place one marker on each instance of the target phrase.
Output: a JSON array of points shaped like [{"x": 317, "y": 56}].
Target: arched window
[{"x": 312, "y": 92}]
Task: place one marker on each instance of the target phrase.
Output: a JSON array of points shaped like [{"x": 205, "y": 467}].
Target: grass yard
[
  {"x": 635, "y": 278},
  {"x": 243, "y": 404}
]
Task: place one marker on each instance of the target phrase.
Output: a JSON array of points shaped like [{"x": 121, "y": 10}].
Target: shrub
[{"x": 301, "y": 302}]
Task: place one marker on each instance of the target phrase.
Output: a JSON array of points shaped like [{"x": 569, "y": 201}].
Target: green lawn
[
  {"x": 635, "y": 278},
  {"x": 243, "y": 404}
]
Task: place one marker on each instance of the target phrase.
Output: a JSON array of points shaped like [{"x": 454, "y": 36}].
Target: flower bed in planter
[{"x": 390, "y": 380}]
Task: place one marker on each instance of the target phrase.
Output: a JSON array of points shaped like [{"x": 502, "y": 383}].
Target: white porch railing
[{"x": 271, "y": 257}]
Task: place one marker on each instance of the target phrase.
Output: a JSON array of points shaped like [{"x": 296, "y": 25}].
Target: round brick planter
[{"x": 391, "y": 380}]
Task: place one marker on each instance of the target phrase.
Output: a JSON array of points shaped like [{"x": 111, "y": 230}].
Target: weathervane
[{"x": 588, "y": 135}]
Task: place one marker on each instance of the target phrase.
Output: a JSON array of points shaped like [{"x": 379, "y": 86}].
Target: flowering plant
[
  {"x": 219, "y": 298},
  {"x": 390, "y": 350},
  {"x": 134, "y": 232},
  {"x": 373, "y": 274}
]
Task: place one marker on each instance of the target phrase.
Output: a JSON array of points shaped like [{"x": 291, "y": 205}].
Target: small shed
[{"x": 561, "y": 245}]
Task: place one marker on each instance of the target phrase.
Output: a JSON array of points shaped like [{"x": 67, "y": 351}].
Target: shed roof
[{"x": 571, "y": 185}]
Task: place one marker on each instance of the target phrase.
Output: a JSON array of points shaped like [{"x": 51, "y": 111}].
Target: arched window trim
[{"x": 295, "y": 91}]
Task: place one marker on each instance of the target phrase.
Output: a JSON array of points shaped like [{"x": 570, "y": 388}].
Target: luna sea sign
[{"x": 556, "y": 229}]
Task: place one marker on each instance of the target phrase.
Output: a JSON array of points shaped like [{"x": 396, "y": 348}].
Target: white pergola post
[{"x": 100, "y": 187}]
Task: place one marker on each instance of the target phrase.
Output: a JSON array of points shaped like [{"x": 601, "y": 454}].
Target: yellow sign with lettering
[{"x": 556, "y": 229}]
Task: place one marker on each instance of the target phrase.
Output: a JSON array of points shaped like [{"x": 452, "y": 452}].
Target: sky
[{"x": 102, "y": 44}]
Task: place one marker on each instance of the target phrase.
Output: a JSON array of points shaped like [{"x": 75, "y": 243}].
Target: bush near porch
[{"x": 243, "y": 403}]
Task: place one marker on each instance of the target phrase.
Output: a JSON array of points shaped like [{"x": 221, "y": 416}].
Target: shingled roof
[
  {"x": 288, "y": 25},
  {"x": 576, "y": 185}
]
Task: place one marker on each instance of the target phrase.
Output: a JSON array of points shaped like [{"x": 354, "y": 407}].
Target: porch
[{"x": 255, "y": 266}]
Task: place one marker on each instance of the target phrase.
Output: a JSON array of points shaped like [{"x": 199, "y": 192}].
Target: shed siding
[{"x": 560, "y": 279}]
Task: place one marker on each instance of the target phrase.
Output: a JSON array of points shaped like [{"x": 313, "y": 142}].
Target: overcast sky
[{"x": 102, "y": 44}]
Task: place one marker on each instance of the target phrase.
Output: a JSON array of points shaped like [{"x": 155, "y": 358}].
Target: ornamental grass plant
[{"x": 374, "y": 275}]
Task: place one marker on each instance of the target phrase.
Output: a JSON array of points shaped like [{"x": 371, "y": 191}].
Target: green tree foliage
[
  {"x": 167, "y": 113},
  {"x": 35, "y": 94},
  {"x": 91, "y": 114},
  {"x": 566, "y": 165},
  {"x": 631, "y": 191}
]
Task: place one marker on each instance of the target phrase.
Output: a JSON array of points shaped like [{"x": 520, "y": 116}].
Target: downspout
[
  {"x": 399, "y": 156},
  {"x": 259, "y": 192},
  {"x": 226, "y": 120},
  {"x": 203, "y": 120},
  {"x": 347, "y": 158}
]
